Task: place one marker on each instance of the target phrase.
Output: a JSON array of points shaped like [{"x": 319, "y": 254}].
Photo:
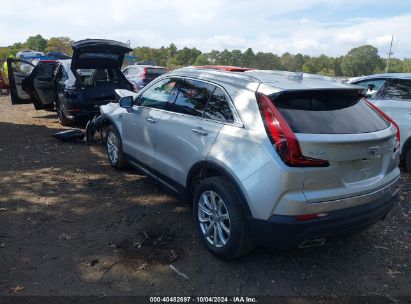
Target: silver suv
[{"x": 265, "y": 157}]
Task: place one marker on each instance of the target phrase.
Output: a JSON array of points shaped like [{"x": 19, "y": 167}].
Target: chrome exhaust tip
[{"x": 313, "y": 243}]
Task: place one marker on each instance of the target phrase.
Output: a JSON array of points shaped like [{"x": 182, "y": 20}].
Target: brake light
[
  {"x": 283, "y": 138},
  {"x": 386, "y": 117}
]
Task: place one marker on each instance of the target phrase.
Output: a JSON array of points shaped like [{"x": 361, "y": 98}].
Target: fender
[{"x": 207, "y": 168}]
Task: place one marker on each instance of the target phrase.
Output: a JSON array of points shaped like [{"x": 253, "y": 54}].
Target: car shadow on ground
[{"x": 72, "y": 225}]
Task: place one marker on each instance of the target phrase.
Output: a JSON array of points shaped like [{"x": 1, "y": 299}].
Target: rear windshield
[
  {"x": 328, "y": 112},
  {"x": 395, "y": 89}
]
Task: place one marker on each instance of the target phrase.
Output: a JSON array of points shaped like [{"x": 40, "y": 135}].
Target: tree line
[{"x": 362, "y": 60}]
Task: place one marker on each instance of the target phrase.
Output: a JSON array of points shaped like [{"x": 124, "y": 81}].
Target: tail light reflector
[{"x": 307, "y": 217}]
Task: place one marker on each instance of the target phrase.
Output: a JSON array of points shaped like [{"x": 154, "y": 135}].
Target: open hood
[{"x": 98, "y": 53}]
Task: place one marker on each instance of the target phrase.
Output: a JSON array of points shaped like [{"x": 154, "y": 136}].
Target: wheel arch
[{"x": 205, "y": 169}]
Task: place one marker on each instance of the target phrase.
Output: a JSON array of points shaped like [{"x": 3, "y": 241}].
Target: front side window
[
  {"x": 192, "y": 97},
  {"x": 45, "y": 69},
  {"x": 218, "y": 107},
  {"x": 159, "y": 94}
]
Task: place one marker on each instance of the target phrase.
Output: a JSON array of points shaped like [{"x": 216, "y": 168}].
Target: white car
[{"x": 393, "y": 96}]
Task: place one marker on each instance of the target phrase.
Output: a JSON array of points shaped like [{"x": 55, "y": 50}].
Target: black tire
[
  {"x": 408, "y": 160},
  {"x": 239, "y": 241},
  {"x": 120, "y": 161},
  {"x": 63, "y": 120}
]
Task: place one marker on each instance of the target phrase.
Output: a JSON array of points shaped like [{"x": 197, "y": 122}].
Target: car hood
[{"x": 98, "y": 53}]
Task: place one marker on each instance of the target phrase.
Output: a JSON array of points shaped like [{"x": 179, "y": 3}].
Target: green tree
[
  {"x": 225, "y": 58},
  {"x": 363, "y": 60},
  {"x": 37, "y": 43},
  {"x": 267, "y": 61},
  {"x": 187, "y": 56},
  {"x": 236, "y": 56},
  {"x": 201, "y": 60},
  {"x": 59, "y": 44},
  {"x": 16, "y": 47},
  {"x": 5, "y": 52},
  {"x": 288, "y": 62},
  {"x": 248, "y": 58},
  {"x": 406, "y": 67},
  {"x": 214, "y": 57},
  {"x": 396, "y": 66}
]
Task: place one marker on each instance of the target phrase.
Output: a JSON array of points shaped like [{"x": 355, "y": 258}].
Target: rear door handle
[
  {"x": 150, "y": 120},
  {"x": 200, "y": 131}
]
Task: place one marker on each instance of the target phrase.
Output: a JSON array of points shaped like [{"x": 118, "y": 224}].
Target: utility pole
[{"x": 389, "y": 54}]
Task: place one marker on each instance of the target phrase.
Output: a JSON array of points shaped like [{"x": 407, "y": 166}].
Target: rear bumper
[
  {"x": 81, "y": 111},
  {"x": 284, "y": 232}
]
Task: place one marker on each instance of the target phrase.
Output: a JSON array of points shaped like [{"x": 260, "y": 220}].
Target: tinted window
[
  {"x": 396, "y": 89},
  {"x": 45, "y": 69},
  {"x": 192, "y": 97},
  {"x": 62, "y": 75},
  {"x": 99, "y": 77},
  {"x": 155, "y": 72},
  {"x": 328, "y": 112},
  {"x": 159, "y": 94},
  {"x": 218, "y": 107},
  {"x": 376, "y": 82}
]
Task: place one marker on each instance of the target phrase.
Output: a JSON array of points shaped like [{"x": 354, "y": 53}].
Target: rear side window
[
  {"x": 192, "y": 97},
  {"x": 376, "y": 83},
  {"x": 45, "y": 69},
  {"x": 396, "y": 89},
  {"x": 328, "y": 112},
  {"x": 218, "y": 107}
]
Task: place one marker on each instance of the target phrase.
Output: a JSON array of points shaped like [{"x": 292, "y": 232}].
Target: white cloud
[
  {"x": 213, "y": 24},
  {"x": 348, "y": 37}
]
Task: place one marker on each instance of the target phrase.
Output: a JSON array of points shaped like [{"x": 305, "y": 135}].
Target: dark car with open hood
[{"x": 74, "y": 88}]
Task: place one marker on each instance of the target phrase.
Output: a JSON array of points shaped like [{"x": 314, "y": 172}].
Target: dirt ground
[{"x": 71, "y": 225}]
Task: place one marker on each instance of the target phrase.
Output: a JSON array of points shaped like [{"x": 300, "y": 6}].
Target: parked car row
[
  {"x": 75, "y": 87},
  {"x": 265, "y": 157},
  {"x": 141, "y": 75}
]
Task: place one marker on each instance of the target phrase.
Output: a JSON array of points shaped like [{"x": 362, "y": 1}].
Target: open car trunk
[
  {"x": 96, "y": 64},
  {"x": 98, "y": 53},
  {"x": 96, "y": 86}
]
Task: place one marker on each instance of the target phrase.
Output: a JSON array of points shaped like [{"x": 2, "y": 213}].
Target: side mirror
[{"x": 126, "y": 102}]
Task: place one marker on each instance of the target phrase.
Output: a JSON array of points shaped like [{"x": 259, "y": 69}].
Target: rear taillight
[
  {"x": 143, "y": 74},
  {"x": 386, "y": 117},
  {"x": 283, "y": 138}
]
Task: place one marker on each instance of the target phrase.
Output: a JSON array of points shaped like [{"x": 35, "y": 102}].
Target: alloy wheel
[
  {"x": 214, "y": 219},
  {"x": 112, "y": 147}
]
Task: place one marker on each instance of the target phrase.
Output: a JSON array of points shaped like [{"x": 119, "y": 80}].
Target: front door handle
[
  {"x": 150, "y": 120},
  {"x": 200, "y": 131}
]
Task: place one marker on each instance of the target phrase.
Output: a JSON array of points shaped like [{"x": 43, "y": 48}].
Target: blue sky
[{"x": 310, "y": 27}]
